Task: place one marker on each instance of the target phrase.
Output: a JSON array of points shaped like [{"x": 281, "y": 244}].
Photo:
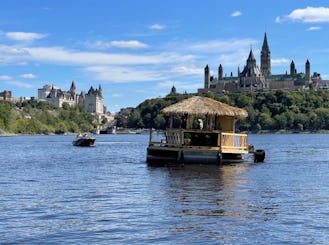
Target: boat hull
[
  {"x": 84, "y": 142},
  {"x": 163, "y": 156}
]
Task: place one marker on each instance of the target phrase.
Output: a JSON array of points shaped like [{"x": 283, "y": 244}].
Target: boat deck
[{"x": 193, "y": 146}]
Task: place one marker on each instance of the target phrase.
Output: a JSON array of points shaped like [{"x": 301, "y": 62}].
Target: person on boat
[
  {"x": 183, "y": 121},
  {"x": 200, "y": 123}
]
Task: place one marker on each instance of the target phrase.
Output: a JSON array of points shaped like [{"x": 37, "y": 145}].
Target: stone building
[
  {"x": 254, "y": 79},
  {"x": 92, "y": 101},
  {"x": 6, "y": 95}
]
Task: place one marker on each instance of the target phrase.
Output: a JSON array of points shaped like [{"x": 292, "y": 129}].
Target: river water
[{"x": 54, "y": 193}]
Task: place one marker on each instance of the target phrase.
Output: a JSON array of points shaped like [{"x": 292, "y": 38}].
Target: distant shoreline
[{"x": 134, "y": 131}]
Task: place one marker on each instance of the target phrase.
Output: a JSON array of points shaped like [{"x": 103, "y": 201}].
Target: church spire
[
  {"x": 292, "y": 68},
  {"x": 265, "y": 58},
  {"x": 265, "y": 44},
  {"x": 251, "y": 61},
  {"x": 251, "y": 56}
]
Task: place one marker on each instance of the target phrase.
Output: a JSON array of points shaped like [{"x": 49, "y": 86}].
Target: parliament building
[{"x": 252, "y": 78}]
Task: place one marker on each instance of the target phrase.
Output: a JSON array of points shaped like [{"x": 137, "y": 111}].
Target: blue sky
[{"x": 138, "y": 50}]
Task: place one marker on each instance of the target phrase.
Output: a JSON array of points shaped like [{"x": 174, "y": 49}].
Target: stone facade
[
  {"x": 92, "y": 101},
  {"x": 6, "y": 95},
  {"x": 254, "y": 79}
]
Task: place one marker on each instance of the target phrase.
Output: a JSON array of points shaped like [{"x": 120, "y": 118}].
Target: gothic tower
[
  {"x": 100, "y": 91},
  {"x": 206, "y": 77},
  {"x": 265, "y": 58},
  {"x": 307, "y": 71},
  {"x": 73, "y": 88},
  {"x": 251, "y": 61},
  {"x": 220, "y": 72},
  {"x": 251, "y": 77},
  {"x": 292, "y": 68}
]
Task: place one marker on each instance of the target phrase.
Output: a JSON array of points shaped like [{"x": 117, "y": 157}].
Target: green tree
[{"x": 159, "y": 122}]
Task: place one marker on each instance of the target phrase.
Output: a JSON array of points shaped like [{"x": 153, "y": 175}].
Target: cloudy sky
[{"x": 138, "y": 50}]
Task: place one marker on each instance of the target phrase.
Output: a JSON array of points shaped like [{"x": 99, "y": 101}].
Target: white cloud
[
  {"x": 121, "y": 74},
  {"x": 183, "y": 59},
  {"x": 184, "y": 70},
  {"x": 19, "y": 84},
  {"x": 157, "y": 27},
  {"x": 12, "y": 50},
  {"x": 62, "y": 56},
  {"x": 28, "y": 76},
  {"x": 314, "y": 28},
  {"x": 223, "y": 45},
  {"x": 282, "y": 61},
  {"x": 307, "y": 15},
  {"x": 236, "y": 14},
  {"x": 5, "y": 78},
  {"x": 278, "y": 19},
  {"x": 59, "y": 55},
  {"x": 181, "y": 86},
  {"x": 24, "y": 36},
  {"x": 133, "y": 44},
  {"x": 116, "y": 95}
]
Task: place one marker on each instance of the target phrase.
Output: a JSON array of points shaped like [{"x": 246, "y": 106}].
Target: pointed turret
[
  {"x": 251, "y": 61},
  {"x": 73, "y": 88},
  {"x": 292, "y": 68},
  {"x": 173, "y": 90},
  {"x": 100, "y": 91},
  {"x": 220, "y": 72},
  {"x": 265, "y": 58},
  {"x": 307, "y": 71},
  {"x": 206, "y": 77},
  {"x": 251, "y": 77},
  {"x": 265, "y": 46},
  {"x": 91, "y": 90},
  {"x": 251, "y": 57}
]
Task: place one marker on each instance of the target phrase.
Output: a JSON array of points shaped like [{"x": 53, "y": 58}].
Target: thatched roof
[{"x": 203, "y": 106}]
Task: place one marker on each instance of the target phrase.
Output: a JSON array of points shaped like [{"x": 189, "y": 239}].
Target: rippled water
[{"x": 54, "y": 193}]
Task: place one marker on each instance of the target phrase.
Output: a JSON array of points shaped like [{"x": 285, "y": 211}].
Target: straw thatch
[{"x": 203, "y": 106}]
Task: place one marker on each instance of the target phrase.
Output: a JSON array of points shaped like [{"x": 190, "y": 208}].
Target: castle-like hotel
[
  {"x": 91, "y": 102},
  {"x": 251, "y": 78}
]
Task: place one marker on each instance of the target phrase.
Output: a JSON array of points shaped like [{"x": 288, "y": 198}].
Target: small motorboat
[{"x": 84, "y": 140}]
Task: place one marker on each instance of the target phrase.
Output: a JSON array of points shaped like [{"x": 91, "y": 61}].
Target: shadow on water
[
  {"x": 203, "y": 190},
  {"x": 203, "y": 201}
]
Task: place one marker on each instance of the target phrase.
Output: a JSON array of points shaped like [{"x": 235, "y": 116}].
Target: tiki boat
[{"x": 201, "y": 131}]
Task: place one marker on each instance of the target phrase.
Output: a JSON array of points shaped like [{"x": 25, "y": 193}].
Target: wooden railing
[
  {"x": 227, "y": 142},
  {"x": 174, "y": 137},
  {"x": 169, "y": 137},
  {"x": 233, "y": 143}
]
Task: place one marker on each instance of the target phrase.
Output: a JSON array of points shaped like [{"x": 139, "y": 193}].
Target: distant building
[
  {"x": 92, "y": 101},
  {"x": 254, "y": 79},
  {"x": 173, "y": 91},
  {"x": 6, "y": 95}
]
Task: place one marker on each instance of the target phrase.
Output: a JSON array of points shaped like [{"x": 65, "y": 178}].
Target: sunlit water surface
[{"x": 54, "y": 193}]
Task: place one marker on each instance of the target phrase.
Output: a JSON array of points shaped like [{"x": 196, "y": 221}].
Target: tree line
[
  {"x": 39, "y": 117},
  {"x": 304, "y": 110}
]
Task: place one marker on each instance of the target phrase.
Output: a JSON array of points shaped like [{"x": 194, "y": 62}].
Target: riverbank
[{"x": 143, "y": 131}]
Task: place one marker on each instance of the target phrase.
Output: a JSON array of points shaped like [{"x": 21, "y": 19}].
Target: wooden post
[
  {"x": 171, "y": 121},
  {"x": 150, "y": 136}
]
